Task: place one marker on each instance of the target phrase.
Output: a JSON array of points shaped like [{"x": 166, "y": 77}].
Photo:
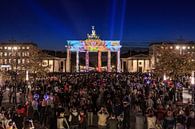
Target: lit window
[
  {"x": 23, "y": 61},
  {"x": 5, "y": 47},
  {"x": 9, "y": 48},
  {"x": 27, "y": 53},
  {"x": 1, "y": 61},
  {"x": 10, "y": 61},
  {"x": 23, "y": 47},
  {"x": 5, "y": 54},
  {"x": 171, "y": 47},
  {"x": 0, "y": 47},
  {"x": 188, "y": 47},
  {"x": 19, "y": 61},
  {"x": 27, "y": 47},
  {"x": 5, "y": 61},
  {"x": 19, "y": 54},
  {"x": 27, "y": 60},
  {"x": 19, "y": 48},
  {"x": 162, "y": 47},
  {"x": 1, "y": 53},
  {"x": 192, "y": 47}
]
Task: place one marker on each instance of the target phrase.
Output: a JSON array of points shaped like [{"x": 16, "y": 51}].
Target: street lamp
[
  {"x": 164, "y": 77},
  {"x": 180, "y": 49},
  {"x": 177, "y": 47},
  {"x": 192, "y": 84},
  {"x": 14, "y": 50},
  {"x": 184, "y": 47}
]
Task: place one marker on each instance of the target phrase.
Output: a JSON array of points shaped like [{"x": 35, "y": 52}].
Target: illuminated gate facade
[{"x": 93, "y": 44}]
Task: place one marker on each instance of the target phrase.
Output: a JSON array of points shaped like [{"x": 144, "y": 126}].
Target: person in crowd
[
  {"x": 74, "y": 118},
  {"x": 11, "y": 125},
  {"x": 1, "y": 125},
  {"x": 62, "y": 122},
  {"x": 83, "y": 120},
  {"x": 28, "y": 124},
  {"x": 180, "y": 119},
  {"x": 126, "y": 120},
  {"x": 169, "y": 120},
  {"x": 112, "y": 122},
  {"x": 151, "y": 119},
  {"x": 102, "y": 118},
  {"x": 35, "y": 105}
]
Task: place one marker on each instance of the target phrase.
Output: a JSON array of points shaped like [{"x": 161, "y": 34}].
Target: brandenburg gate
[{"x": 92, "y": 44}]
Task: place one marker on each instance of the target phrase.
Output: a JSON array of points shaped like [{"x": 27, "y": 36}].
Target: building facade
[
  {"x": 15, "y": 56},
  {"x": 136, "y": 63},
  {"x": 55, "y": 64}
]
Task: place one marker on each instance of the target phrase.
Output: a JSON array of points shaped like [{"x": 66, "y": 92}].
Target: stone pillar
[
  {"x": 118, "y": 61},
  {"x": 77, "y": 61},
  {"x": 68, "y": 59},
  {"x": 99, "y": 61},
  {"x": 122, "y": 65},
  {"x": 109, "y": 61},
  {"x": 137, "y": 65},
  {"x": 87, "y": 61}
]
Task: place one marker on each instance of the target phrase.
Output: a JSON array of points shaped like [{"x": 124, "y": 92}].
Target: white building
[
  {"x": 55, "y": 64},
  {"x": 136, "y": 63}
]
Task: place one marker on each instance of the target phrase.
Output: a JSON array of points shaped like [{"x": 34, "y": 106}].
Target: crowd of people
[{"x": 101, "y": 100}]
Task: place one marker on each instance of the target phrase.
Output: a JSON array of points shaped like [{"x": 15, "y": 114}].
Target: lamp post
[
  {"x": 181, "y": 49},
  {"x": 192, "y": 84},
  {"x": 164, "y": 77},
  {"x": 15, "y": 73}
]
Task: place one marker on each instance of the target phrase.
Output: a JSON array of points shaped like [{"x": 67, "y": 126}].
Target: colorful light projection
[{"x": 94, "y": 45}]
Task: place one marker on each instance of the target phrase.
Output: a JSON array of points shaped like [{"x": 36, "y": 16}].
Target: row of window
[
  {"x": 14, "y": 67},
  {"x": 14, "y": 47},
  {"x": 179, "y": 47},
  {"x": 9, "y": 61},
  {"x": 14, "y": 54}
]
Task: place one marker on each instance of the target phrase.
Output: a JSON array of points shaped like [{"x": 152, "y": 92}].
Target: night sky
[{"x": 49, "y": 23}]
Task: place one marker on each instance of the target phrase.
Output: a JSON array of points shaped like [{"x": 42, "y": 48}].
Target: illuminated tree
[
  {"x": 173, "y": 63},
  {"x": 35, "y": 63}
]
